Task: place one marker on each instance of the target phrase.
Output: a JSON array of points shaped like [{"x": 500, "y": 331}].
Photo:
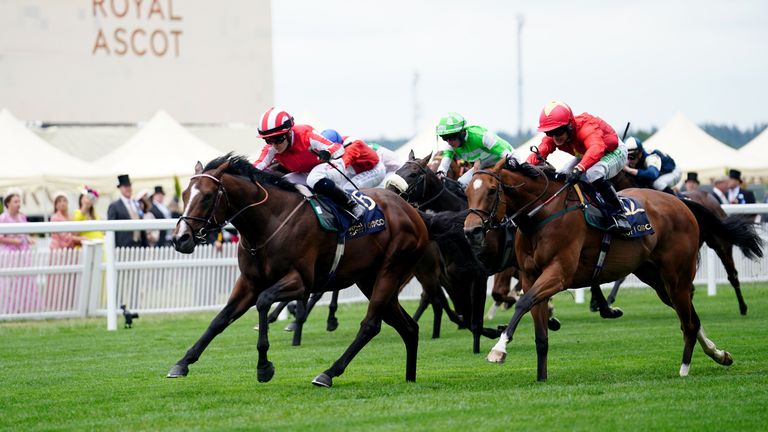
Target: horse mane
[
  {"x": 240, "y": 166},
  {"x": 511, "y": 164}
]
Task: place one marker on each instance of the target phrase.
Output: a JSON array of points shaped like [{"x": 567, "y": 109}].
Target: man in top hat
[
  {"x": 737, "y": 195},
  {"x": 692, "y": 181},
  {"x": 125, "y": 208},
  {"x": 160, "y": 211}
]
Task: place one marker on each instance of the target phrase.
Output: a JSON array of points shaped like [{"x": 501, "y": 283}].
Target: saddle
[
  {"x": 333, "y": 218},
  {"x": 597, "y": 216}
]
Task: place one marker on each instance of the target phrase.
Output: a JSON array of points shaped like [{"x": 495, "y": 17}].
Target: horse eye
[{"x": 492, "y": 191}]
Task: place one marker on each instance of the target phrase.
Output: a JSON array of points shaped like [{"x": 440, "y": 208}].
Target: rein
[{"x": 210, "y": 221}]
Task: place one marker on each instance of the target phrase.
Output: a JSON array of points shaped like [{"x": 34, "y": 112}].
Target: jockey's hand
[
  {"x": 324, "y": 155},
  {"x": 573, "y": 176},
  {"x": 440, "y": 175}
]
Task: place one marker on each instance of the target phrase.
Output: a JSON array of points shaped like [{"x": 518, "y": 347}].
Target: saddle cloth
[
  {"x": 333, "y": 218},
  {"x": 597, "y": 216}
]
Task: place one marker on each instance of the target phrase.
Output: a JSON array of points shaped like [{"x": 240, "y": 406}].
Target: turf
[{"x": 603, "y": 375}]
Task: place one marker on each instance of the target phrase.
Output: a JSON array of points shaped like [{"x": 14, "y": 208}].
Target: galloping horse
[
  {"x": 722, "y": 247},
  {"x": 284, "y": 255},
  {"x": 556, "y": 249}
]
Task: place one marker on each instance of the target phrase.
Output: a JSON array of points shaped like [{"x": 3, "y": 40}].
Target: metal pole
[
  {"x": 711, "y": 273},
  {"x": 520, "y": 21},
  {"x": 109, "y": 243}
]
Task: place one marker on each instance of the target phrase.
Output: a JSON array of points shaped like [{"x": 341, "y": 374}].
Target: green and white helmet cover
[{"x": 450, "y": 123}]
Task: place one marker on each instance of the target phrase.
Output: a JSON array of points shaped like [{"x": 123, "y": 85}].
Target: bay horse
[
  {"x": 722, "y": 247},
  {"x": 284, "y": 255},
  {"x": 556, "y": 249}
]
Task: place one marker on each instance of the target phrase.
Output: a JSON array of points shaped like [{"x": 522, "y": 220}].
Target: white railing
[{"x": 97, "y": 278}]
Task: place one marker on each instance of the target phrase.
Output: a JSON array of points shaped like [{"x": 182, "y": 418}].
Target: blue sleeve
[{"x": 649, "y": 174}]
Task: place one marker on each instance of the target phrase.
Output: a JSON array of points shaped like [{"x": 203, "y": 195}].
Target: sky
[{"x": 350, "y": 65}]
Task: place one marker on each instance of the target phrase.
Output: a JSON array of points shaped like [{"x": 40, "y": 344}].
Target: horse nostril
[{"x": 181, "y": 240}]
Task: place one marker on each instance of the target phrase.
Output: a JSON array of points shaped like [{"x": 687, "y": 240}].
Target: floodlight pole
[{"x": 520, "y": 22}]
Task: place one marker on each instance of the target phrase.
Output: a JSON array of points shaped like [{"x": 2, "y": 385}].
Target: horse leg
[
  {"x": 725, "y": 253},
  {"x": 302, "y": 312},
  {"x": 601, "y": 304},
  {"x": 333, "y": 323},
  {"x": 240, "y": 300},
  {"x": 287, "y": 288},
  {"x": 721, "y": 357},
  {"x": 552, "y": 322},
  {"x": 423, "y": 305},
  {"x": 547, "y": 284},
  {"x": 276, "y": 312},
  {"x": 540, "y": 315},
  {"x": 615, "y": 290}
]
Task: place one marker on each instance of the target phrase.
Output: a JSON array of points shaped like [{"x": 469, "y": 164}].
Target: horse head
[
  {"x": 201, "y": 209},
  {"x": 410, "y": 181}
]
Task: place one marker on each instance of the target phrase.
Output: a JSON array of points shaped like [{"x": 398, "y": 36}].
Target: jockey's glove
[
  {"x": 573, "y": 176},
  {"x": 324, "y": 155}
]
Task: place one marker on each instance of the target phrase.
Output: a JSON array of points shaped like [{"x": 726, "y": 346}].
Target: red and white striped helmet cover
[{"x": 274, "y": 121}]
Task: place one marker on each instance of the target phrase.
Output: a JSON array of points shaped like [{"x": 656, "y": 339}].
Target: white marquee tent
[
  {"x": 160, "y": 150},
  {"x": 752, "y": 159},
  {"x": 39, "y": 169},
  {"x": 691, "y": 148}
]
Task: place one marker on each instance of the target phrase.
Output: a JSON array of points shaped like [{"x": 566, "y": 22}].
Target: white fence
[{"x": 97, "y": 278}]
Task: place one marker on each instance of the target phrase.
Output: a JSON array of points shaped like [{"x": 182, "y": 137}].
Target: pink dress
[
  {"x": 18, "y": 294},
  {"x": 61, "y": 240}
]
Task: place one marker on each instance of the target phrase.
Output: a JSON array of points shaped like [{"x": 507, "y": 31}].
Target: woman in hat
[
  {"x": 87, "y": 199},
  {"x": 62, "y": 240}
]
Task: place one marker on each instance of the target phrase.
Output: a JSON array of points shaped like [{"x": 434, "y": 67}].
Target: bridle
[
  {"x": 209, "y": 222},
  {"x": 487, "y": 218},
  {"x": 421, "y": 180}
]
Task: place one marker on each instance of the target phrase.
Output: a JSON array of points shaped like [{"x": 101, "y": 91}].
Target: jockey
[
  {"x": 363, "y": 166},
  {"x": 470, "y": 143},
  {"x": 599, "y": 153},
  {"x": 307, "y": 155},
  {"x": 655, "y": 169}
]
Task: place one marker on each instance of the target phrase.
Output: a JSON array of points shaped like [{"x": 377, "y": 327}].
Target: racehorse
[
  {"x": 722, "y": 247},
  {"x": 284, "y": 255},
  {"x": 421, "y": 187},
  {"x": 556, "y": 249}
]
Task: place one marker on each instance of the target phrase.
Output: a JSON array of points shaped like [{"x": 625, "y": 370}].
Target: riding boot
[
  {"x": 668, "y": 190},
  {"x": 341, "y": 198},
  {"x": 621, "y": 224}
]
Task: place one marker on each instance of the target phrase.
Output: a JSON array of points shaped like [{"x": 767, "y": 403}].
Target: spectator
[
  {"x": 737, "y": 195},
  {"x": 160, "y": 211},
  {"x": 62, "y": 240},
  {"x": 60, "y": 294},
  {"x": 86, "y": 201},
  {"x": 18, "y": 294},
  {"x": 126, "y": 208},
  {"x": 720, "y": 190},
  {"x": 145, "y": 206},
  {"x": 692, "y": 181}
]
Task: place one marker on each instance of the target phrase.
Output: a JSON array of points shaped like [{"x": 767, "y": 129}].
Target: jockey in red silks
[
  {"x": 308, "y": 156},
  {"x": 598, "y": 152},
  {"x": 363, "y": 166}
]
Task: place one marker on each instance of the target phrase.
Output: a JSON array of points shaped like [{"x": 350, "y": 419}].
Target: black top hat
[
  {"x": 735, "y": 174},
  {"x": 159, "y": 190},
  {"x": 693, "y": 176},
  {"x": 123, "y": 180}
]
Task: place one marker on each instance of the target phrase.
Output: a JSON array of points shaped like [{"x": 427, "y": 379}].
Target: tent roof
[
  {"x": 29, "y": 161},
  {"x": 691, "y": 147},
  {"x": 753, "y": 156},
  {"x": 162, "y": 148},
  {"x": 422, "y": 144}
]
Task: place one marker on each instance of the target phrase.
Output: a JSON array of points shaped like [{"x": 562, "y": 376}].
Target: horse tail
[{"x": 733, "y": 229}]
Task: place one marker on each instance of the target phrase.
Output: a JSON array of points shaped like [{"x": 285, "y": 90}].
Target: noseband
[{"x": 209, "y": 222}]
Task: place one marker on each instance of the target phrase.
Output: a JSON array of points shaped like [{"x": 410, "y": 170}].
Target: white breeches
[{"x": 607, "y": 167}]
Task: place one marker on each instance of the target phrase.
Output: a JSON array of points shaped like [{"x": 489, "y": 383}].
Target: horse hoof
[
  {"x": 322, "y": 380},
  {"x": 743, "y": 310},
  {"x": 553, "y": 324},
  {"x": 611, "y": 313},
  {"x": 265, "y": 374},
  {"x": 178, "y": 371},
  {"x": 332, "y": 325},
  {"x": 290, "y": 327},
  {"x": 727, "y": 359},
  {"x": 496, "y": 356}
]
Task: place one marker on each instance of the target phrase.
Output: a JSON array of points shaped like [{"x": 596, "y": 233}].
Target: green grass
[{"x": 603, "y": 375}]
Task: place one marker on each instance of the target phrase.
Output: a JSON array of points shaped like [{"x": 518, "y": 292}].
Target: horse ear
[
  {"x": 411, "y": 156},
  {"x": 198, "y": 168},
  {"x": 423, "y": 162}
]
